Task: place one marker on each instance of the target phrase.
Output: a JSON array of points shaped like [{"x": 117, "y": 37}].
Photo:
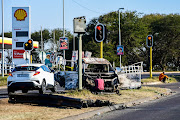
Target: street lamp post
[
  {"x": 2, "y": 40},
  {"x": 120, "y": 32}
]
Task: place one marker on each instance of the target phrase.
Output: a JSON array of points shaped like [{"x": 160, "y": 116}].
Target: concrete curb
[
  {"x": 115, "y": 107},
  {"x": 96, "y": 112}
]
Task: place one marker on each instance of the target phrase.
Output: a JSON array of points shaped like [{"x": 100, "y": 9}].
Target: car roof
[{"x": 34, "y": 64}]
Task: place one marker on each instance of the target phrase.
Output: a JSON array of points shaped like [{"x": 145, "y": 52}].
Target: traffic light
[
  {"x": 28, "y": 45},
  {"x": 149, "y": 40},
  {"x": 100, "y": 32}
]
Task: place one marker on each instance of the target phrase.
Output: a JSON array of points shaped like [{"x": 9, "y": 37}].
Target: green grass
[
  {"x": 172, "y": 79},
  {"x": 3, "y": 80}
]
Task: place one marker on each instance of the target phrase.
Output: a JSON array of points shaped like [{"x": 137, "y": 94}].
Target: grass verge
[
  {"x": 34, "y": 112},
  {"x": 3, "y": 80},
  {"x": 172, "y": 79},
  {"x": 126, "y": 95}
]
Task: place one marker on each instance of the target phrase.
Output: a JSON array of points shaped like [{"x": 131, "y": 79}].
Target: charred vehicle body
[{"x": 99, "y": 75}]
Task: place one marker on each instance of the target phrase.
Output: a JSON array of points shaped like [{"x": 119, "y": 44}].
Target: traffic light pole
[
  {"x": 27, "y": 61},
  {"x": 150, "y": 62},
  {"x": 80, "y": 62},
  {"x": 101, "y": 50}
]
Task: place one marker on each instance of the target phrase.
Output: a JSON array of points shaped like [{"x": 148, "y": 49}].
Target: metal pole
[
  {"x": 120, "y": 34},
  {"x": 151, "y": 62},
  {"x": 42, "y": 45},
  {"x": 41, "y": 40},
  {"x": 31, "y": 59},
  {"x": 54, "y": 40},
  {"x": 74, "y": 43},
  {"x": 2, "y": 40},
  {"x": 80, "y": 62},
  {"x": 63, "y": 34},
  {"x": 101, "y": 50},
  {"x": 63, "y": 21}
]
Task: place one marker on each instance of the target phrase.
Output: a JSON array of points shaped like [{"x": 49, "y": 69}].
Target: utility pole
[
  {"x": 74, "y": 43},
  {"x": 63, "y": 33},
  {"x": 42, "y": 48},
  {"x": 2, "y": 40},
  {"x": 54, "y": 40},
  {"x": 41, "y": 40},
  {"x": 80, "y": 62},
  {"x": 79, "y": 27},
  {"x": 120, "y": 33}
]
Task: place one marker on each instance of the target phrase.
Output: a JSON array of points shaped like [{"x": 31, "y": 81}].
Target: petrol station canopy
[{"x": 8, "y": 43}]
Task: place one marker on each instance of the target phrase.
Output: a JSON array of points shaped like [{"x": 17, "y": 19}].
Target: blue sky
[{"x": 49, "y": 13}]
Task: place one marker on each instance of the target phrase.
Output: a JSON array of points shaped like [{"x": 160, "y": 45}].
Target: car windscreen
[
  {"x": 25, "y": 68},
  {"x": 99, "y": 67}
]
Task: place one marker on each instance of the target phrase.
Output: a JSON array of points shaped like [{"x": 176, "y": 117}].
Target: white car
[{"x": 31, "y": 77}]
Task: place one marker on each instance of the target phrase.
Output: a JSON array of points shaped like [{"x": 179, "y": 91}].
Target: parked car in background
[{"x": 27, "y": 77}]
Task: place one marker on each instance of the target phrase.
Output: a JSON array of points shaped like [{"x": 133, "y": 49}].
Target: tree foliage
[{"x": 134, "y": 30}]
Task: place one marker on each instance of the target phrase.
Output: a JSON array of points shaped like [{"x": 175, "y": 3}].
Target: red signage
[{"x": 18, "y": 53}]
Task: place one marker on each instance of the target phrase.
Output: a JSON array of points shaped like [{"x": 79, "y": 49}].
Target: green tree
[
  {"x": 166, "y": 44},
  {"x": 133, "y": 36}
]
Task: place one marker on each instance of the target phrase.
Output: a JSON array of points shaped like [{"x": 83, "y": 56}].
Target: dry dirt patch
[{"x": 32, "y": 112}]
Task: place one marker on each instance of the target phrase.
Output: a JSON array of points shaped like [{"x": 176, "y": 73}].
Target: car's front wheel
[{"x": 43, "y": 88}]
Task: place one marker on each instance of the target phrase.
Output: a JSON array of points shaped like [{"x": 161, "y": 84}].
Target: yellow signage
[{"x": 20, "y": 14}]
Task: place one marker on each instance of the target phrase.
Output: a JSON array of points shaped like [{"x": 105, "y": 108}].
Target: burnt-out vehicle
[{"x": 99, "y": 71}]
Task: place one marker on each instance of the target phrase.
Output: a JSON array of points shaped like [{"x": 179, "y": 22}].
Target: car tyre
[
  {"x": 10, "y": 91},
  {"x": 43, "y": 88},
  {"x": 54, "y": 89}
]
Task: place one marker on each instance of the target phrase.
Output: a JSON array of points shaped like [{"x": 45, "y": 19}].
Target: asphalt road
[
  {"x": 4, "y": 93},
  {"x": 167, "y": 108}
]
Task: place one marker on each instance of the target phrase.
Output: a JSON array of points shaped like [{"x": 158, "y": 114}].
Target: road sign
[
  {"x": 52, "y": 58},
  {"x": 42, "y": 55},
  {"x": 26, "y": 55}
]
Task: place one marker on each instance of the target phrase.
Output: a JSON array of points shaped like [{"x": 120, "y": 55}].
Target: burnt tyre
[
  {"x": 43, "y": 88},
  {"x": 54, "y": 89}
]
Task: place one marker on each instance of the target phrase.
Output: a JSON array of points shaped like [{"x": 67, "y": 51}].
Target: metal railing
[
  {"x": 7, "y": 67},
  {"x": 134, "y": 68}
]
